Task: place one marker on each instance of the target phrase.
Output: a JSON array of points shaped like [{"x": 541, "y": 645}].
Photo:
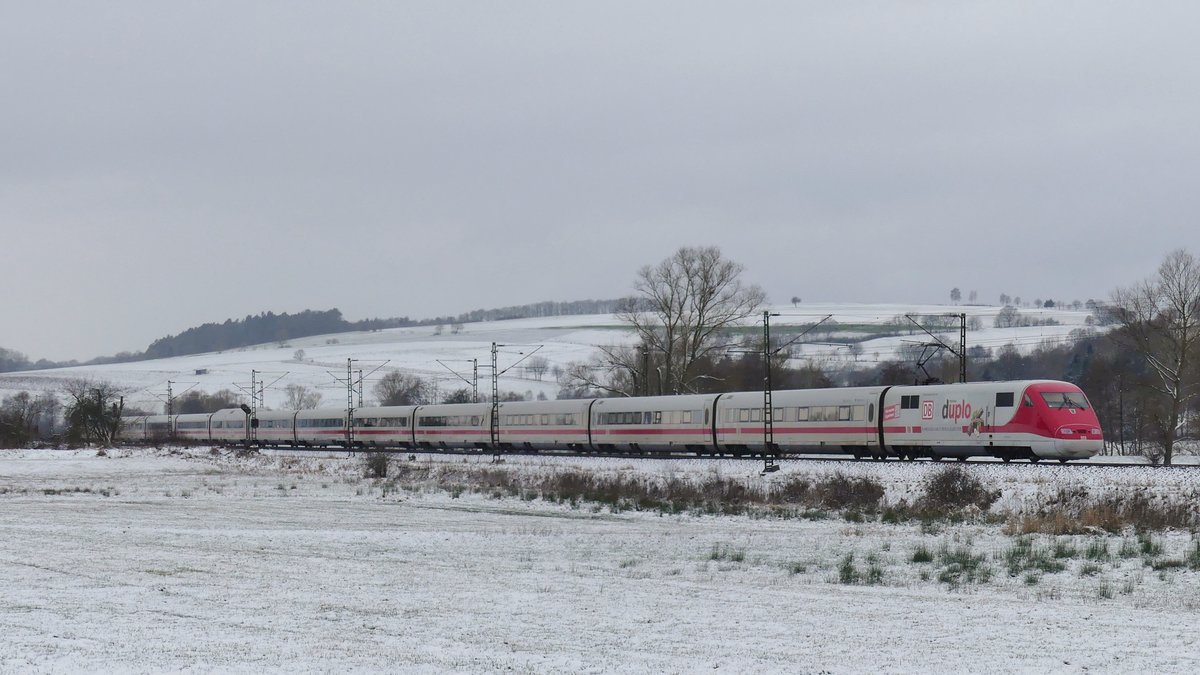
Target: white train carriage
[
  {"x": 275, "y": 427},
  {"x": 228, "y": 426},
  {"x": 658, "y": 423},
  {"x": 321, "y": 427},
  {"x": 160, "y": 427},
  {"x": 388, "y": 426},
  {"x": 459, "y": 425},
  {"x": 544, "y": 425},
  {"x": 193, "y": 427},
  {"x": 840, "y": 421},
  {"x": 133, "y": 428}
]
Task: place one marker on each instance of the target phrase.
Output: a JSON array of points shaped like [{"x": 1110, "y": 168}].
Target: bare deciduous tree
[
  {"x": 1160, "y": 319},
  {"x": 397, "y": 388},
  {"x": 21, "y": 416},
  {"x": 685, "y": 303},
  {"x": 202, "y": 402},
  {"x": 300, "y": 397},
  {"x": 93, "y": 411},
  {"x": 537, "y": 366}
]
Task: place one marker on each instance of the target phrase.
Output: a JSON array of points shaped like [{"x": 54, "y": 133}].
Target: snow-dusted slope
[{"x": 561, "y": 339}]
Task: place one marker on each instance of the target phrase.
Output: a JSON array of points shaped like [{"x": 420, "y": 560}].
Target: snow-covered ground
[
  {"x": 560, "y": 340},
  {"x": 150, "y": 560}
]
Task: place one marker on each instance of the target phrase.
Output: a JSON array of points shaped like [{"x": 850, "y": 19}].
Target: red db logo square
[{"x": 926, "y": 410}]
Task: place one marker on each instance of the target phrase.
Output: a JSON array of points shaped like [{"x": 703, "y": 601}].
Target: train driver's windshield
[{"x": 1065, "y": 399}]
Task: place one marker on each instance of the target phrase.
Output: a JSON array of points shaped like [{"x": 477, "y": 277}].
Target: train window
[
  {"x": 744, "y": 415},
  {"x": 687, "y": 416},
  {"x": 658, "y": 417},
  {"x": 858, "y": 413},
  {"x": 756, "y": 414},
  {"x": 910, "y": 402},
  {"x": 1004, "y": 399},
  {"x": 545, "y": 420},
  {"x": 801, "y": 414},
  {"x": 843, "y": 413},
  {"x": 475, "y": 420},
  {"x": 1065, "y": 399},
  {"x": 816, "y": 413},
  {"x": 706, "y": 416},
  {"x": 871, "y": 413},
  {"x": 1028, "y": 401},
  {"x": 777, "y": 414}
]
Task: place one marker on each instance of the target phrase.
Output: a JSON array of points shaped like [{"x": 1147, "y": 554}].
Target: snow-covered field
[
  {"x": 155, "y": 560},
  {"x": 560, "y": 340}
]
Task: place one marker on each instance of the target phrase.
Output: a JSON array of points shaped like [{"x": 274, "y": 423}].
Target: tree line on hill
[{"x": 268, "y": 327}]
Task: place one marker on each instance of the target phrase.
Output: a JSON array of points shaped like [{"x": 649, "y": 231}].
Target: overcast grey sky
[{"x": 164, "y": 164}]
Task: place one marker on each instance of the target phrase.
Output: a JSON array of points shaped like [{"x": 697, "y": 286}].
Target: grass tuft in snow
[
  {"x": 725, "y": 552},
  {"x": 922, "y": 554},
  {"x": 960, "y": 565},
  {"x": 847, "y": 572},
  {"x": 1025, "y": 556},
  {"x": 376, "y": 465},
  {"x": 796, "y": 567},
  {"x": 1097, "y": 549}
]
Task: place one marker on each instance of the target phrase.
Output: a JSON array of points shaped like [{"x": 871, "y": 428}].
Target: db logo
[{"x": 926, "y": 410}]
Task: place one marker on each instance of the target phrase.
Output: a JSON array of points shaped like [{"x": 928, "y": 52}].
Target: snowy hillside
[{"x": 562, "y": 340}]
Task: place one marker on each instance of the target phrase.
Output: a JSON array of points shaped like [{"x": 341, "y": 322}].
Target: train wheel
[{"x": 1006, "y": 459}]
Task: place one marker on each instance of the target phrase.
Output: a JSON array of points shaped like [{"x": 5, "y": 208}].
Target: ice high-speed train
[{"x": 1034, "y": 420}]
